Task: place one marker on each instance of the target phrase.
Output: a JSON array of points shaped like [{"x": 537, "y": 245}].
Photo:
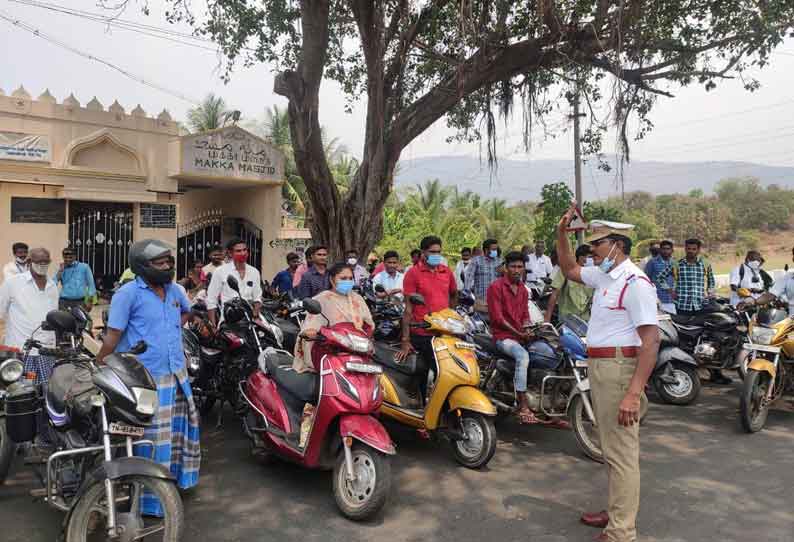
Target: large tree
[{"x": 414, "y": 62}]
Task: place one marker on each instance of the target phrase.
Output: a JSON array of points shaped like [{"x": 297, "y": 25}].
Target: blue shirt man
[
  {"x": 282, "y": 282},
  {"x": 77, "y": 282},
  {"x": 152, "y": 308},
  {"x": 657, "y": 271},
  {"x": 139, "y": 313}
]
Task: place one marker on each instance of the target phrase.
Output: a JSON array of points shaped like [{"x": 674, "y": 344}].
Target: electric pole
[{"x": 577, "y": 157}]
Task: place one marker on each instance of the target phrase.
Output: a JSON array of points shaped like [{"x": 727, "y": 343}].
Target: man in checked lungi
[{"x": 153, "y": 309}]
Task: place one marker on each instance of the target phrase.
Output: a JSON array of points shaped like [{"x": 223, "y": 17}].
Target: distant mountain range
[{"x": 521, "y": 180}]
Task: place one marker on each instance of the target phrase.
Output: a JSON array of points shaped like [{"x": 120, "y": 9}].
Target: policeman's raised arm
[{"x": 565, "y": 256}]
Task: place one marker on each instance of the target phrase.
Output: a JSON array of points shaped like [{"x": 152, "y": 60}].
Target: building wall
[
  {"x": 50, "y": 236},
  {"x": 260, "y": 206}
]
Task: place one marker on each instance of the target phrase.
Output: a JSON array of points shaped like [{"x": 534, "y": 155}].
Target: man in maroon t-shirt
[
  {"x": 509, "y": 314},
  {"x": 436, "y": 283}
]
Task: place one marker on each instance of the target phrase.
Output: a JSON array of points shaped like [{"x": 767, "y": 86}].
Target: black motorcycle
[
  {"x": 83, "y": 453},
  {"x": 715, "y": 336},
  {"x": 230, "y": 355}
]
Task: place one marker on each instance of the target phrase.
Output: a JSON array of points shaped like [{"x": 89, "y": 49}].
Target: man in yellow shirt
[{"x": 572, "y": 297}]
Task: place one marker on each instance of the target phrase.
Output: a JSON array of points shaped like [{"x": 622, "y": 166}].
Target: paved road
[{"x": 704, "y": 480}]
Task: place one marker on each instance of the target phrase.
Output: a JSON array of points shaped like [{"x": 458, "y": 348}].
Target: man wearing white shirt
[
  {"x": 622, "y": 345},
  {"x": 460, "y": 268},
  {"x": 748, "y": 275},
  {"x": 359, "y": 271},
  {"x": 248, "y": 279},
  {"x": 25, "y": 300},
  {"x": 390, "y": 278},
  {"x": 19, "y": 264},
  {"x": 538, "y": 265}
]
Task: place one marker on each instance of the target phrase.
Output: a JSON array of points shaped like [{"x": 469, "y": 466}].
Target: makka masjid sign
[{"x": 231, "y": 153}]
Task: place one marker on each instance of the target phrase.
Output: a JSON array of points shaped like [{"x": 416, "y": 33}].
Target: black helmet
[{"x": 141, "y": 255}]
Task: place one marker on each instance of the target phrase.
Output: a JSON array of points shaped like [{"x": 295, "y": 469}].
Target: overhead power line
[{"x": 55, "y": 41}]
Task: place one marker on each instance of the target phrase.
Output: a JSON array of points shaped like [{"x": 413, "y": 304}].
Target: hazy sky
[{"x": 693, "y": 126}]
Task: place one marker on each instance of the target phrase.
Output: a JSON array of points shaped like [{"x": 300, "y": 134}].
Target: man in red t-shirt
[
  {"x": 436, "y": 283},
  {"x": 509, "y": 314}
]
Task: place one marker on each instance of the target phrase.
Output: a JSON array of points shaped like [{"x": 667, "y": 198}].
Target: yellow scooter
[{"x": 455, "y": 407}]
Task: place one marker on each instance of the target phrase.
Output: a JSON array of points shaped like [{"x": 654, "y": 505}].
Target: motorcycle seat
[
  {"x": 58, "y": 387},
  {"x": 485, "y": 342},
  {"x": 689, "y": 319},
  {"x": 303, "y": 386},
  {"x": 384, "y": 355}
]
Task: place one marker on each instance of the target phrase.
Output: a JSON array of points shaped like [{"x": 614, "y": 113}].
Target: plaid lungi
[
  {"x": 175, "y": 433},
  {"x": 41, "y": 365}
]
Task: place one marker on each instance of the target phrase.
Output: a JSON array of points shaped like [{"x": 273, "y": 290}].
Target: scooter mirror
[
  {"x": 312, "y": 306},
  {"x": 233, "y": 284},
  {"x": 416, "y": 299}
]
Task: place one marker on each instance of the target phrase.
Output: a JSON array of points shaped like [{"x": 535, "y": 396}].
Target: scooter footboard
[{"x": 367, "y": 429}]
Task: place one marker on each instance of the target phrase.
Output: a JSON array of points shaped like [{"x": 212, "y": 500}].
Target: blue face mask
[
  {"x": 588, "y": 262},
  {"x": 344, "y": 287},
  {"x": 493, "y": 254},
  {"x": 608, "y": 263},
  {"x": 434, "y": 260}
]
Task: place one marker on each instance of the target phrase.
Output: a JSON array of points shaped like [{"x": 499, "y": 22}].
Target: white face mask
[
  {"x": 352, "y": 261},
  {"x": 755, "y": 264},
  {"x": 588, "y": 262},
  {"x": 40, "y": 269}
]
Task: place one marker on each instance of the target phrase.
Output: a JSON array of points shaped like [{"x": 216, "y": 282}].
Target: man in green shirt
[{"x": 572, "y": 297}]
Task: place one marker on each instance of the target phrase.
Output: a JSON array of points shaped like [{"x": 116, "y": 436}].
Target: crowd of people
[{"x": 597, "y": 282}]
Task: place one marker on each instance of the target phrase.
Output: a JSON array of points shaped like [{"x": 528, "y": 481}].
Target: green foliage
[
  {"x": 210, "y": 114},
  {"x": 597, "y": 210},
  {"x": 746, "y": 240},
  {"x": 756, "y": 207},
  {"x": 555, "y": 199},
  {"x": 460, "y": 219}
]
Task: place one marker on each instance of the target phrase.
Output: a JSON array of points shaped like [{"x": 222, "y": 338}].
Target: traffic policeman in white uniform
[{"x": 622, "y": 343}]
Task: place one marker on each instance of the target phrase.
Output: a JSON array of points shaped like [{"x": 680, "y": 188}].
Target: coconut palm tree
[{"x": 210, "y": 114}]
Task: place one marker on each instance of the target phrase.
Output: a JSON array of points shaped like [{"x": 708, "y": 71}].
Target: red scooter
[{"x": 342, "y": 433}]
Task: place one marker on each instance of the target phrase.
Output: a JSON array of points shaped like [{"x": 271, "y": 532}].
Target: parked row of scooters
[{"x": 330, "y": 418}]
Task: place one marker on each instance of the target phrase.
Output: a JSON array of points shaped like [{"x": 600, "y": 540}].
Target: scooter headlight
[
  {"x": 11, "y": 370},
  {"x": 762, "y": 335},
  {"x": 145, "y": 400}
]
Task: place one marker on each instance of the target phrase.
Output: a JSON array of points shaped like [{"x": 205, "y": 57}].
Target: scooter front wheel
[
  {"x": 584, "y": 429},
  {"x": 478, "y": 444},
  {"x": 364, "y": 496}
]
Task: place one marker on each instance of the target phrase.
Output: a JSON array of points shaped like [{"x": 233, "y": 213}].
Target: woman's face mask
[
  {"x": 755, "y": 264},
  {"x": 344, "y": 286}
]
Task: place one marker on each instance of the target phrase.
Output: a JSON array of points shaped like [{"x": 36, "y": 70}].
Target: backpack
[{"x": 765, "y": 277}]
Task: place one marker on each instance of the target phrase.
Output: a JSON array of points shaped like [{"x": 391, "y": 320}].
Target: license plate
[{"x": 116, "y": 428}]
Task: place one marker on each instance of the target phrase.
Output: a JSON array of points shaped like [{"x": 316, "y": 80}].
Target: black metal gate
[
  {"x": 252, "y": 235},
  {"x": 196, "y": 237},
  {"x": 101, "y": 235}
]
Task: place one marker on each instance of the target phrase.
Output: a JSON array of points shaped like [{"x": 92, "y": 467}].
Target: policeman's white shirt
[
  {"x": 537, "y": 268},
  {"x": 745, "y": 282},
  {"x": 608, "y": 325},
  {"x": 23, "y": 307},
  {"x": 250, "y": 286},
  {"x": 784, "y": 289}
]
